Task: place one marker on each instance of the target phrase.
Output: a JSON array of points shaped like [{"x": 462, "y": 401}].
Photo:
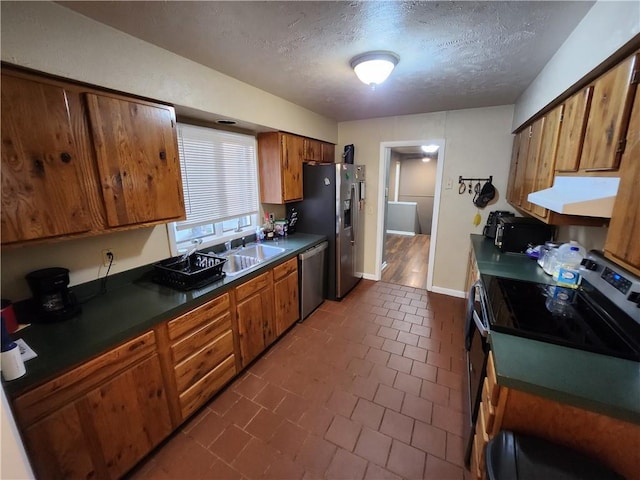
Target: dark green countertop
[
  {"x": 599, "y": 383},
  {"x": 591, "y": 381},
  {"x": 518, "y": 266},
  {"x": 132, "y": 305}
]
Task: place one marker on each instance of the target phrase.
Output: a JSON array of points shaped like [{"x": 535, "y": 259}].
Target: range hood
[{"x": 584, "y": 196}]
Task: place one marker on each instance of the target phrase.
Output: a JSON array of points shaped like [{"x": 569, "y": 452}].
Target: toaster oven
[{"x": 516, "y": 234}]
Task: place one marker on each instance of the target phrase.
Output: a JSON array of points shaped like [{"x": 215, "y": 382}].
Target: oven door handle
[
  {"x": 473, "y": 319},
  {"x": 484, "y": 331}
]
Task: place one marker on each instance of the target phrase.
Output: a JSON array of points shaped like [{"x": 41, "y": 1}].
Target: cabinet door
[
  {"x": 42, "y": 190},
  {"x": 572, "y": 129},
  {"x": 624, "y": 229},
  {"x": 547, "y": 155},
  {"x": 58, "y": 446},
  {"x": 129, "y": 415},
  {"x": 608, "y": 118},
  {"x": 520, "y": 166},
  {"x": 531, "y": 166},
  {"x": 513, "y": 168},
  {"x": 287, "y": 307},
  {"x": 137, "y": 159},
  {"x": 255, "y": 324},
  {"x": 312, "y": 150},
  {"x": 291, "y": 151},
  {"x": 328, "y": 153}
]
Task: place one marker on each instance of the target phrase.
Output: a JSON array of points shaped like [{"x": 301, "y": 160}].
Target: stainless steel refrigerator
[{"x": 333, "y": 205}]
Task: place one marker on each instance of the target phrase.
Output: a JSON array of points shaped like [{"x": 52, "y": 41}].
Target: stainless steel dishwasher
[{"x": 313, "y": 269}]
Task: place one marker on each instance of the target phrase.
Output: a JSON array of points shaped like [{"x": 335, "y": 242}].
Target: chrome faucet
[{"x": 243, "y": 242}]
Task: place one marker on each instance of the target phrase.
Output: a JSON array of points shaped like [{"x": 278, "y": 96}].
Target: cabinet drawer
[
  {"x": 285, "y": 268},
  {"x": 478, "y": 456},
  {"x": 201, "y": 337},
  {"x": 489, "y": 409},
  {"x": 195, "y": 367},
  {"x": 201, "y": 392},
  {"x": 64, "y": 388},
  {"x": 253, "y": 286},
  {"x": 481, "y": 425},
  {"x": 181, "y": 325},
  {"x": 492, "y": 387}
]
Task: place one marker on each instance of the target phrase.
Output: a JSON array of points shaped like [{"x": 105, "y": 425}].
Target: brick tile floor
[{"x": 369, "y": 387}]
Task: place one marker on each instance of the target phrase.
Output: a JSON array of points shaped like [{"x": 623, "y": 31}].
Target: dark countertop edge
[
  {"x": 509, "y": 377},
  {"x": 121, "y": 280}
]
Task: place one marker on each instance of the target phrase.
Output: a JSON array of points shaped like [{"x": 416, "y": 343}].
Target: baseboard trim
[
  {"x": 402, "y": 232},
  {"x": 449, "y": 291},
  {"x": 370, "y": 276}
]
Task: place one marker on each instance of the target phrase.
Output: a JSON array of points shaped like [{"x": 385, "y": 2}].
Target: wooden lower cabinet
[
  {"x": 100, "y": 419},
  {"x": 613, "y": 442},
  {"x": 255, "y": 316},
  {"x": 285, "y": 290},
  {"x": 201, "y": 351}
]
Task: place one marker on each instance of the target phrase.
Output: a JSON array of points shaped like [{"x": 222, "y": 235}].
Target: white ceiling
[{"x": 453, "y": 55}]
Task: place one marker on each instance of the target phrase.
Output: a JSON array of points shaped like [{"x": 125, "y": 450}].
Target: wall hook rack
[{"x": 462, "y": 182}]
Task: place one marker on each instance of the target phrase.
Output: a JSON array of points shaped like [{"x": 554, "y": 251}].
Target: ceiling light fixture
[
  {"x": 430, "y": 148},
  {"x": 373, "y": 68}
]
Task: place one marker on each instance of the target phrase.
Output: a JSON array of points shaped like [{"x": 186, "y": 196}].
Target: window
[{"x": 220, "y": 183}]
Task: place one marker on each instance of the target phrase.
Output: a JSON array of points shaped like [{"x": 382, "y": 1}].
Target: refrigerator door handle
[{"x": 354, "y": 213}]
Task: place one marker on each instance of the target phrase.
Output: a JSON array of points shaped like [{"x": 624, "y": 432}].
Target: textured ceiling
[{"x": 453, "y": 55}]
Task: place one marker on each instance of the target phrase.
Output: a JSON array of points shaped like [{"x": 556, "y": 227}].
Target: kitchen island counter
[{"x": 132, "y": 304}]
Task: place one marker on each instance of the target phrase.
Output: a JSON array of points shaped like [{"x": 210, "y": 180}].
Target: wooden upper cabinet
[
  {"x": 531, "y": 166},
  {"x": 137, "y": 159},
  {"x": 280, "y": 163},
  {"x": 328, "y": 153},
  {"x": 546, "y": 156},
  {"x": 43, "y": 194},
  {"x": 572, "y": 129},
  {"x": 604, "y": 139},
  {"x": 624, "y": 229},
  {"x": 513, "y": 168},
  {"x": 312, "y": 150},
  {"x": 520, "y": 161}
]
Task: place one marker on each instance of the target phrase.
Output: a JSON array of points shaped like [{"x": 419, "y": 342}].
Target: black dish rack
[{"x": 195, "y": 271}]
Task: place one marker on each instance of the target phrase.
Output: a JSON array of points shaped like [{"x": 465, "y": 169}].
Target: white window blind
[{"x": 219, "y": 175}]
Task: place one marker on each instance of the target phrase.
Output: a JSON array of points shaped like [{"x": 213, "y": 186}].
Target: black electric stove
[{"x": 601, "y": 316}]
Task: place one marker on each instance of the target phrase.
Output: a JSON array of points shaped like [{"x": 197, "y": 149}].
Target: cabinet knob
[
  {"x": 65, "y": 157},
  {"x": 163, "y": 155}
]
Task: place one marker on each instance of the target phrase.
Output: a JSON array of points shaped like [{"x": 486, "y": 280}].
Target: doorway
[{"x": 410, "y": 181}]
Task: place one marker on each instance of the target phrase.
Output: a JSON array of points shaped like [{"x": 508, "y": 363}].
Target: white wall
[
  {"x": 477, "y": 144},
  {"x": 605, "y": 28}
]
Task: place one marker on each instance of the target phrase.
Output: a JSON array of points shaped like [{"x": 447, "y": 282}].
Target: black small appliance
[
  {"x": 516, "y": 234},
  {"x": 53, "y": 300},
  {"x": 492, "y": 222}
]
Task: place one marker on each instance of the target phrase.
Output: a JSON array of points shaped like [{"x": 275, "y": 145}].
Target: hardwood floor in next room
[
  {"x": 407, "y": 260},
  {"x": 369, "y": 387}
]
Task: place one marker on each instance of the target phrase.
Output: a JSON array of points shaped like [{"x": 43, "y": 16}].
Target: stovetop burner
[{"x": 585, "y": 318}]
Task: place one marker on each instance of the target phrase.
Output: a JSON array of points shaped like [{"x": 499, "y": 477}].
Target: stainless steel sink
[{"x": 241, "y": 260}]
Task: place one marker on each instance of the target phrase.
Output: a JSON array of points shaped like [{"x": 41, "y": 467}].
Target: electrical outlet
[{"x": 108, "y": 257}]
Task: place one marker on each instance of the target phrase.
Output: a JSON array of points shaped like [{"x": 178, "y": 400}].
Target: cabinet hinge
[
  {"x": 635, "y": 76},
  {"x": 622, "y": 144}
]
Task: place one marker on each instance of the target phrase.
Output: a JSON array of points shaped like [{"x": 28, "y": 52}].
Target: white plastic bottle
[{"x": 567, "y": 272}]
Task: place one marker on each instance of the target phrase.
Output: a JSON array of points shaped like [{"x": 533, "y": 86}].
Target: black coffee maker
[{"x": 53, "y": 300}]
